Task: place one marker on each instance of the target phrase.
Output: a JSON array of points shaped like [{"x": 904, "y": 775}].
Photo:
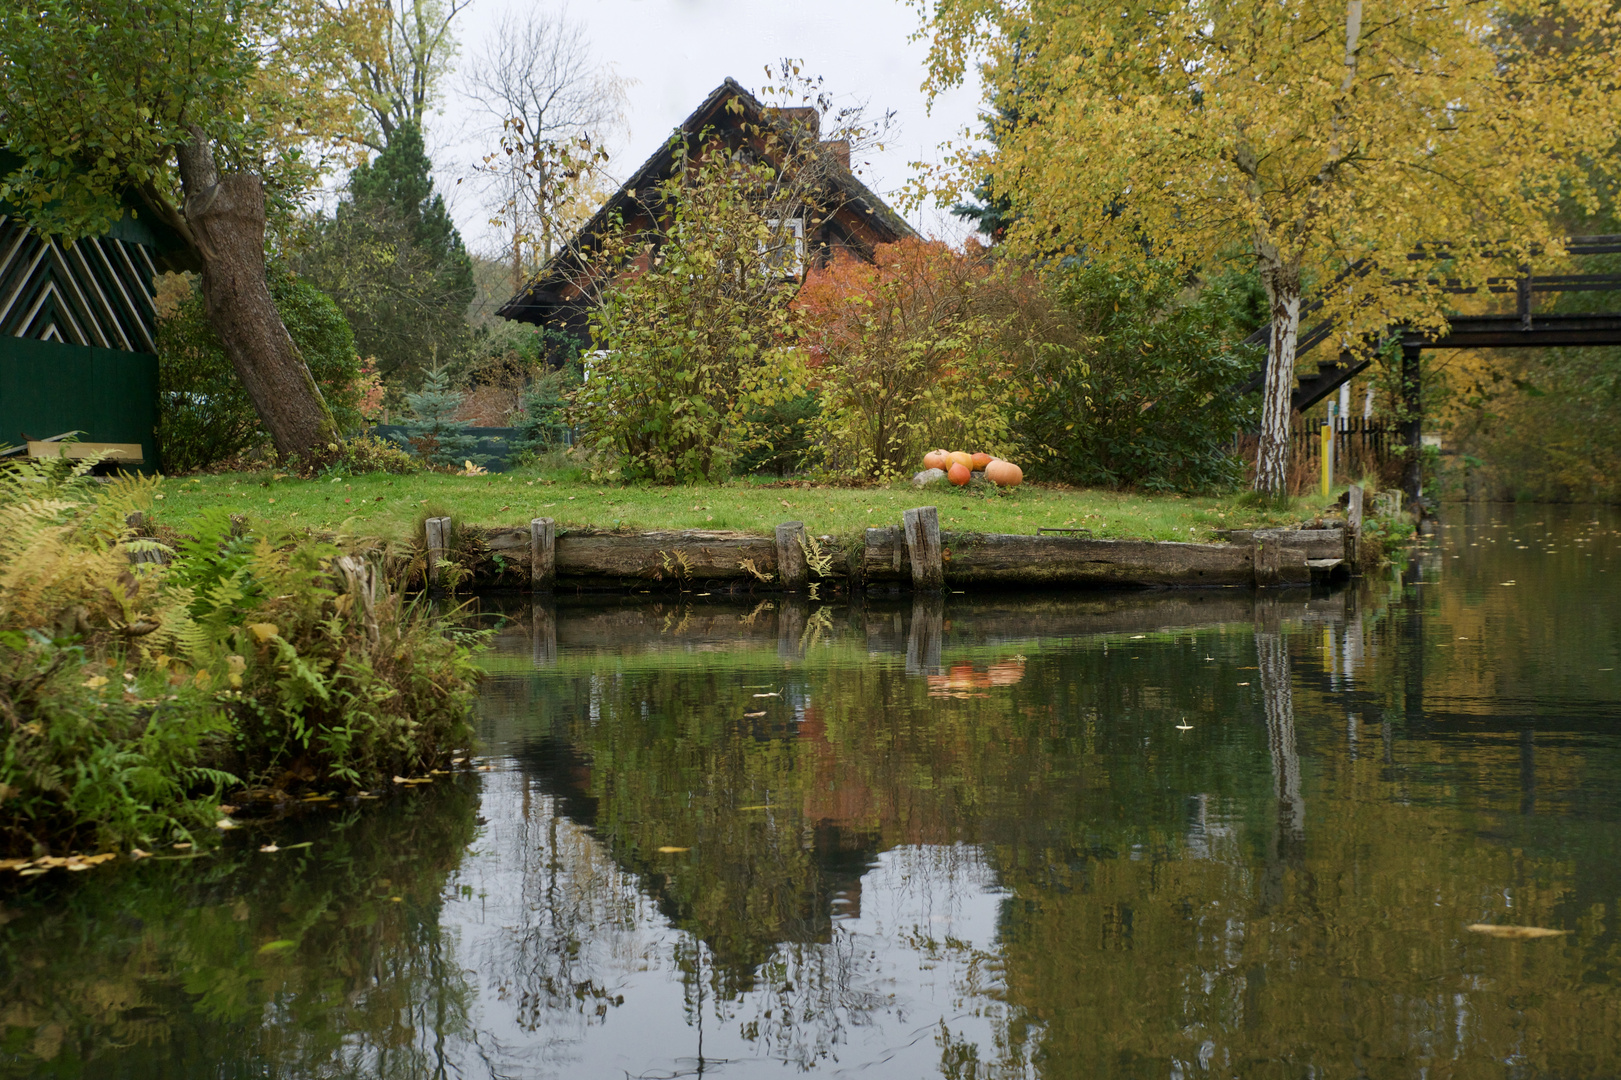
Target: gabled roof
[{"x": 536, "y": 299}]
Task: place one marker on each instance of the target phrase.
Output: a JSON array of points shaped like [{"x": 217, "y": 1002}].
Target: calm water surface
[{"x": 1159, "y": 835}]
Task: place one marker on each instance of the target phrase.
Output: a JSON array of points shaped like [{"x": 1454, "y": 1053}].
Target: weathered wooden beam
[
  {"x": 437, "y": 534},
  {"x": 542, "y": 554},
  {"x": 664, "y": 556},
  {"x": 883, "y": 554},
  {"x": 791, "y": 565},
  {"x": 1278, "y": 561},
  {"x": 922, "y": 526},
  {"x": 1312, "y": 543},
  {"x": 987, "y": 558}
]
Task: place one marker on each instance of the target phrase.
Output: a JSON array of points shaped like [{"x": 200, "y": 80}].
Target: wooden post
[
  {"x": 791, "y": 566},
  {"x": 1353, "y": 525},
  {"x": 1268, "y": 558},
  {"x": 923, "y": 543},
  {"x": 437, "y": 532},
  {"x": 542, "y": 554},
  {"x": 1327, "y": 436}
]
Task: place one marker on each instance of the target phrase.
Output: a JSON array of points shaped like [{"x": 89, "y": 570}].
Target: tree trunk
[
  {"x": 1272, "y": 457},
  {"x": 227, "y": 220}
]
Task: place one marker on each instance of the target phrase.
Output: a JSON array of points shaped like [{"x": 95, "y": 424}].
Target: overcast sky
[{"x": 677, "y": 51}]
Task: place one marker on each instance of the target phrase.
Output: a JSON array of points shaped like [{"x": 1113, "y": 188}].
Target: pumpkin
[
  {"x": 936, "y": 459},
  {"x": 958, "y": 473},
  {"x": 963, "y": 458},
  {"x": 1004, "y": 473},
  {"x": 980, "y": 461}
]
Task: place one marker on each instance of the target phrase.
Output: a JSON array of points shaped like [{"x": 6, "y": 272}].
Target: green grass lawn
[{"x": 378, "y": 505}]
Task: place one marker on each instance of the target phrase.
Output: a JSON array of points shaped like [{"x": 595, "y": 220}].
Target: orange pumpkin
[
  {"x": 936, "y": 459},
  {"x": 963, "y": 458},
  {"x": 1004, "y": 473},
  {"x": 958, "y": 473},
  {"x": 980, "y": 461}
]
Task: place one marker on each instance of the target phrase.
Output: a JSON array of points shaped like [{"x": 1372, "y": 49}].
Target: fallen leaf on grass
[
  {"x": 1514, "y": 933},
  {"x": 182, "y": 845},
  {"x": 269, "y": 849},
  {"x": 14, "y": 864},
  {"x": 137, "y": 853}
]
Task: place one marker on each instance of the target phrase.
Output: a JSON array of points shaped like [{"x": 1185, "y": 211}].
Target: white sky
[{"x": 677, "y": 51}]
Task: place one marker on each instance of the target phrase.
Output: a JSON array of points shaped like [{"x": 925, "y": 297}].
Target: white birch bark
[{"x": 1272, "y": 456}]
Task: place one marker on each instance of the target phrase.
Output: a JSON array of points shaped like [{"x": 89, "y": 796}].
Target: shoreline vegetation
[{"x": 141, "y": 683}]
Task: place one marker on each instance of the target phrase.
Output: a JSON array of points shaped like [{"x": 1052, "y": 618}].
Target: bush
[
  {"x": 543, "y": 422},
  {"x": 132, "y": 694},
  {"x": 695, "y": 340},
  {"x": 204, "y": 412},
  {"x": 1144, "y": 397},
  {"x": 915, "y": 351},
  {"x": 370, "y": 454}
]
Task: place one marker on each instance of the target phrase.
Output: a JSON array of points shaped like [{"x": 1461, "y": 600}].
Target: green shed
[{"x": 78, "y": 348}]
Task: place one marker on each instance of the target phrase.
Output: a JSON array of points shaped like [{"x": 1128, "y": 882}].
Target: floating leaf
[
  {"x": 752, "y": 715},
  {"x": 1514, "y": 933},
  {"x": 672, "y": 850}
]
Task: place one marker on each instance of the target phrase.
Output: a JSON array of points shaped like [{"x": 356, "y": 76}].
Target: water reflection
[{"x": 1154, "y": 834}]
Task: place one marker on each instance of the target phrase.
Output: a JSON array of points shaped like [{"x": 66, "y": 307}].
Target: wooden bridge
[{"x": 1522, "y": 329}]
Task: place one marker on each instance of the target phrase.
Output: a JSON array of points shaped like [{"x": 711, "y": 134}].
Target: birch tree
[{"x": 1321, "y": 141}]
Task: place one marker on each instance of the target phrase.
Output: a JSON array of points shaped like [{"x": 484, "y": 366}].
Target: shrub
[
  {"x": 914, "y": 351},
  {"x": 131, "y": 694},
  {"x": 204, "y": 412},
  {"x": 370, "y": 454},
  {"x": 694, "y": 338},
  {"x": 432, "y": 428},
  {"x": 543, "y": 423},
  {"x": 1144, "y": 396}
]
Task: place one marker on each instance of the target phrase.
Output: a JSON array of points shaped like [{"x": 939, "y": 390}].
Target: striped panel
[{"x": 97, "y": 291}]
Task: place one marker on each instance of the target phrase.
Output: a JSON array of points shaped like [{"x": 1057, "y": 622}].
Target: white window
[{"x": 788, "y": 247}]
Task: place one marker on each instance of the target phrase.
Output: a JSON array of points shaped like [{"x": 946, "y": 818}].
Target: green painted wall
[{"x": 47, "y": 388}]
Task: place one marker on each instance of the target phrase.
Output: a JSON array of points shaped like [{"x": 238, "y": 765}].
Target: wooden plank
[
  {"x": 1279, "y": 561},
  {"x": 882, "y": 554},
  {"x": 124, "y": 453},
  {"x": 1312, "y": 543},
  {"x": 542, "y": 554},
  {"x": 791, "y": 565},
  {"x": 663, "y": 556},
  {"x": 1074, "y": 560},
  {"x": 922, "y": 526}
]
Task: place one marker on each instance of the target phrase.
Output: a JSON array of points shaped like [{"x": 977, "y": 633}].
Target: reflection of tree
[
  {"x": 297, "y": 963},
  {"x": 1287, "y": 842}
]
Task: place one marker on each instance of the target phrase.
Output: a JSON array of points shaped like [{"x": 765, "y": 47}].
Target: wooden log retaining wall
[{"x": 889, "y": 556}]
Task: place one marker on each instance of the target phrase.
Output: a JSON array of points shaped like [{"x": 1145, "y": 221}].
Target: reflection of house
[
  {"x": 77, "y": 330},
  {"x": 852, "y": 218}
]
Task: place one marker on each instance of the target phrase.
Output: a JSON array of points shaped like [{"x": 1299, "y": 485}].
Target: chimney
[
  {"x": 840, "y": 149},
  {"x": 803, "y": 119}
]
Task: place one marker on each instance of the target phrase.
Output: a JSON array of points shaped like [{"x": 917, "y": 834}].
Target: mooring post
[
  {"x": 792, "y": 615},
  {"x": 542, "y": 554},
  {"x": 1353, "y": 524},
  {"x": 791, "y": 564},
  {"x": 1268, "y": 558},
  {"x": 437, "y": 533},
  {"x": 923, "y": 543}
]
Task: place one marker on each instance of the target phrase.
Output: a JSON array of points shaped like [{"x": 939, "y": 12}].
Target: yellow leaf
[
  {"x": 1514, "y": 933},
  {"x": 263, "y": 631},
  {"x": 96, "y": 682}
]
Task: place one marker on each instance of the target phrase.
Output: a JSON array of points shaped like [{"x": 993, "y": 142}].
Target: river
[{"x": 1154, "y": 834}]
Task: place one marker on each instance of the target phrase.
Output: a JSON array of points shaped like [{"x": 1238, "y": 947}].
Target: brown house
[{"x": 848, "y": 217}]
